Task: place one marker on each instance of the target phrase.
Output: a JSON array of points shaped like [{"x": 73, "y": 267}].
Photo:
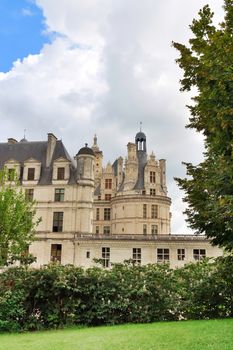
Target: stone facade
[{"x": 114, "y": 213}]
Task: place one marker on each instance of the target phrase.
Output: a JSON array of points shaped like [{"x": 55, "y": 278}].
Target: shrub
[{"x": 54, "y": 296}]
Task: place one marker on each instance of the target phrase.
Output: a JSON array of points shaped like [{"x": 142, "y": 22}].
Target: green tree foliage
[
  {"x": 208, "y": 66},
  {"x": 17, "y": 220}
]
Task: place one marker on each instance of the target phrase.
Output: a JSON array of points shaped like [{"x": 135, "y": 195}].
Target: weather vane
[
  {"x": 140, "y": 126},
  {"x": 24, "y": 133}
]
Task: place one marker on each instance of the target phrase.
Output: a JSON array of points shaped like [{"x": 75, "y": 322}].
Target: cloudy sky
[{"x": 80, "y": 67}]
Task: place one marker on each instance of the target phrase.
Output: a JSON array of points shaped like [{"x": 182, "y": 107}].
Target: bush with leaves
[{"x": 56, "y": 296}]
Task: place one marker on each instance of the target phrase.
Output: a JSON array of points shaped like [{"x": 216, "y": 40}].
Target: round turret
[
  {"x": 85, "y": 150},
  {"x": 85, "y": 163},
  {"x": 140, "y": 140}
]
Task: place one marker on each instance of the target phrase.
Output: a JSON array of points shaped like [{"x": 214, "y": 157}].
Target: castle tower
[
  {"x": 97, "y": 162},
  {"x": 140, "y": 141},
  {"x": 131, "y": 167},
  {"x": 85, "y": 180}
]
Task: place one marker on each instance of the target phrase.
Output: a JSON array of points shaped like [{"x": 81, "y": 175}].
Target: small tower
[
  {"x": 97, "y": 162},
  {"x": 131, "y": 167},
  {"x": 85, "y": 180},
  {"x": 140, "y": 141},
  {"x": 85, "y": 164}
]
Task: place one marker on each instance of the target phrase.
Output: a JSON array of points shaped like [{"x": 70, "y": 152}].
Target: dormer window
[
  {"x": 61, "y": 173},
  {"x": 31, "y": 173},
  {"x": 12, "y": 168},
  {"x": 108, "y": 184},
  {"x": 152, "y": 177}
]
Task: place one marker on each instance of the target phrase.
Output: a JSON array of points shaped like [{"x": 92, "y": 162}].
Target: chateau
[{"x": 113, "y": 213}]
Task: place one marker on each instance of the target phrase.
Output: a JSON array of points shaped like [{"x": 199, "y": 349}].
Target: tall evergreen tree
[{"x": 207, "y": 65}]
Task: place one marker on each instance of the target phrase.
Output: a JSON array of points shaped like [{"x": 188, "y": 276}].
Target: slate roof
[
  {"x": 140, "y": 136},
  {"x": 21, "y": 151},
  {"x": 86, "y": 150}
]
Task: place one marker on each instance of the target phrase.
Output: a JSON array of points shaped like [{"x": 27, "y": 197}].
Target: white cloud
[{"x": 111, "y": 66}]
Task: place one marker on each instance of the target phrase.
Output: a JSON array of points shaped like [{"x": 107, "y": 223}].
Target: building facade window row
[
  {"x": 31, "y": 173},
  {"x": 146, "y": 229},
  {"x": 163, "y": 254},
  {"x": 59, "y": 194}
]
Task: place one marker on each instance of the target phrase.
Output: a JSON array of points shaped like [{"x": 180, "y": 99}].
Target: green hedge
[{"x": 56, "y": 296}]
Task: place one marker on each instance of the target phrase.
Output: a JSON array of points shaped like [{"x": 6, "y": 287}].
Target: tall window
[
  {"x": 154, "y": 229},
  {"x": 106, "y": 256},
  {"x": 162, "y": 254},
  {"x": 180, "y": 254},
  {"x": 152, "y": 177},
  {"x": 107, "y": 230},
  {"x": 137, "y": 255},
  {"x": 97, "y": 230},
  {"x": 57, "y": 221},
  {"x": 108, "y": 197},
  {"x": 108, "y": 183},
  {"x": 144, "y": 229},
  {"x": 154, "y": 211},
  {"x": 199, "y": 254},
  {"x": 61, "y": 173},
  {"x": 152, "y": 192},
  {"x": 97, "y": 214},
  {"x": 59, "y": 194},
  {"x": 56, "y": 250},
  {"x": 107, "y": 213},
  {"x": 31, "y": 173},
  {"x": 144, "y": 213},
  {"x": 29, "y": 194}
]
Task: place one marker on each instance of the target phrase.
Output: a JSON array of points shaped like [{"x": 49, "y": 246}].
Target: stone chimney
[
  {"x": 162, "y": 165},
  {"x": 12, "y": 141},
  {"x": 50, "y": 148}
]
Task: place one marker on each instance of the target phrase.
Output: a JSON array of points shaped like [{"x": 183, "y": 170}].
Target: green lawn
[{"x": 187, "y": 335}]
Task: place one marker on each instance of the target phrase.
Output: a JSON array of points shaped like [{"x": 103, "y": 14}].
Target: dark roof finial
[
  {"x": 86, "y": 144},
  {"x": 24, "y": 136}
]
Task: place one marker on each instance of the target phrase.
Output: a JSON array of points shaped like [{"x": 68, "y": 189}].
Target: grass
[{"x": 191, "y": 335}]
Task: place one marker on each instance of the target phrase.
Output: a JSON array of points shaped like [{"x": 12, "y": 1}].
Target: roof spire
[
  {"x": 95, "y": 147},
  {"x": 140, "y": 126},
  {"x": 24, "y": 136},
  {"x": 95, "y": 140}
]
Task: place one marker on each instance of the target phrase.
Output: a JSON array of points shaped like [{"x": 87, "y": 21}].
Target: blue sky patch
[{"x": 21, "y": 31}]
